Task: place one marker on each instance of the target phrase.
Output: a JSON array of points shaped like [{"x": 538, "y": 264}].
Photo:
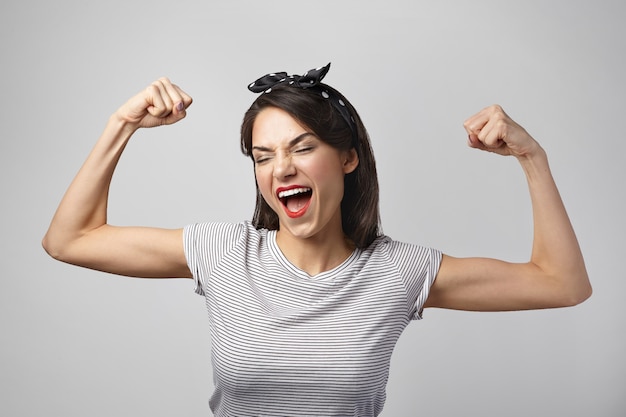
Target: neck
[{"x": 315, "y": 255}]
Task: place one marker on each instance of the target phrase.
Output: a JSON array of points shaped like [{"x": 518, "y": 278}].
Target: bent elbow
[
  {"x": 53, "y": 247},
  {"x": 48, "y": 246},
  {"x": 579, "y": 294},
  {"x": 582, "y": 295}
]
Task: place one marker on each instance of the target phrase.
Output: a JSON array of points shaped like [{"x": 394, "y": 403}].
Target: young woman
[{"x": 307, "y": 301}]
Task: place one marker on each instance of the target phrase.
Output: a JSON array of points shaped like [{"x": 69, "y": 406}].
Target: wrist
[
  {"x": 535, "y": 164},
  {"x": 533, "y": 153},
  {"x": 122, "y": 124}
]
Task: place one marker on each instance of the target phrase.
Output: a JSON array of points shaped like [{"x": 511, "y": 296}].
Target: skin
[
  {"x": 555, "y": 275},
  {"x": 287, "y": 154},
  {"x": 79, "y": 233}
]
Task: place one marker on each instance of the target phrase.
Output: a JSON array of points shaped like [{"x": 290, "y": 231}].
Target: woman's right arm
[{"x": 79, "y": 233}]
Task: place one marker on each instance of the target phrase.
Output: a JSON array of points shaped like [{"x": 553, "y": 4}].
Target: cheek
[
  {"x": 264, "y": 182},
  {"x": 327, "y": 173}
]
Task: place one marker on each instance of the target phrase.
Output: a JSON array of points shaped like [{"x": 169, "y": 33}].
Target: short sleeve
[
  {"x": 432, "y": 268},
  {"x": 418, "y": 266},
  {"x": 205, "y": 244}
]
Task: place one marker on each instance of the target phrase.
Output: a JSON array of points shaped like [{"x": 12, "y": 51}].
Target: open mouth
[{"x": 296, "y": 200}]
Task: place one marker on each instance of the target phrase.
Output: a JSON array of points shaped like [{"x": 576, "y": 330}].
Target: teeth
[{"x": 293, "y": 191}]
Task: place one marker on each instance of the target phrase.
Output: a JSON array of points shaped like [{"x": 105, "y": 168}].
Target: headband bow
[{"x": 311, "y": 78}]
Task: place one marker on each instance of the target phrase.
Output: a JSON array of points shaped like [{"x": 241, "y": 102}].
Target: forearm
[
  {"x": 555, "y": 250},
  {"x": 555, "y": 276},
  {"x": 84, "y": 205}
]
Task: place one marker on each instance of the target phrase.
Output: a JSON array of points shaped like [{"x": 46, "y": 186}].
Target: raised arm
[
  {"x": 79, "y": 233},
  {"x": 555, "y": 275}
]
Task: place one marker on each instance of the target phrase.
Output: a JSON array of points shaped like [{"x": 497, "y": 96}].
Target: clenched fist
[
  {"x": 493, "y": 130},
  {"x": 161, "y": 103}
]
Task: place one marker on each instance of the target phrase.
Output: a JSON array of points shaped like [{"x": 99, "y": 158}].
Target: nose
[{"x": 283, "y": 167}]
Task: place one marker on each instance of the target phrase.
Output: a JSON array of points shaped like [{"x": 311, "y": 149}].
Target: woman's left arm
[{"x": 555, "y": 276}]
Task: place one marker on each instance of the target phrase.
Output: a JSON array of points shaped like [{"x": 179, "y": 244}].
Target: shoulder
[
  {"x": 221, "y": 231},
  {"x": 207, "y": 245},
  {"x": 398, "y": 250},
  {"x": 217, "y": 237},
  {"x": 405, "y": 258}
]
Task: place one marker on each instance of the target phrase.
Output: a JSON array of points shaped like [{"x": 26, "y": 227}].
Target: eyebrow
[{"x": 292, "y": 142}]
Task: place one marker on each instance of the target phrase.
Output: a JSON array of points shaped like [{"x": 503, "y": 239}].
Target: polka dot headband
[{"x": 311, "y": 79}]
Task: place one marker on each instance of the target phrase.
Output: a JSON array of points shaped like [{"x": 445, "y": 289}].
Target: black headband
[{"x": 311, "y": 79}]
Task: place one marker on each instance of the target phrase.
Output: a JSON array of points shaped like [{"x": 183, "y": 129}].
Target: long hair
[{"x": 359, "y": 206}]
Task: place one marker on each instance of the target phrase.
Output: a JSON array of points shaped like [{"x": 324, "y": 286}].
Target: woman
[{"x": 307, "y": 301}]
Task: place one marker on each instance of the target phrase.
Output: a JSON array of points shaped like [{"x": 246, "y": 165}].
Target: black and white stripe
[{"x": 288, "y": 344}]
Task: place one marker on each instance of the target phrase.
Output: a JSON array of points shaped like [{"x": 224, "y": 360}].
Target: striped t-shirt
[{"x": 288, "y": 344}]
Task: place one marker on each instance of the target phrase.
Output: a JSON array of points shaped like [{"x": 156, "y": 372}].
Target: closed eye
[
  {"x": 258, "y": 160},
  {"x": 304, "y": 149}
]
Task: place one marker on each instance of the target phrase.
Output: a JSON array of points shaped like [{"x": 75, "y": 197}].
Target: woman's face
[{"x": 300, "y": 177}]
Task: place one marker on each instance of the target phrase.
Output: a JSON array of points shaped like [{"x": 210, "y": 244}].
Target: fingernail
[{"x": 180, "y": 106}]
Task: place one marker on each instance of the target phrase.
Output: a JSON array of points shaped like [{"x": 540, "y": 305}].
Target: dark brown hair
[{"x": 359, "y": 206}]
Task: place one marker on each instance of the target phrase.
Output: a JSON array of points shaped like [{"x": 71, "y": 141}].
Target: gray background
[{"x": 76, "y": 342}]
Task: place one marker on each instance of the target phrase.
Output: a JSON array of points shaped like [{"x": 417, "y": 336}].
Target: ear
[{"x": 351, "y": 161}]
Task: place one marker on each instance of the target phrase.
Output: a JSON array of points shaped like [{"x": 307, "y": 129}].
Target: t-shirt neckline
[{"x": 329, "y": 275}]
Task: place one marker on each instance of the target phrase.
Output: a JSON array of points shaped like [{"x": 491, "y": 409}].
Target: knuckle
[
  {"x": 152, "y": 88},
  {"x": 499, "y": 116}
]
